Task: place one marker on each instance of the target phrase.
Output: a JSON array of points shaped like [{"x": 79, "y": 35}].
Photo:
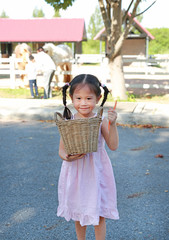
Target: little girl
[{"x": 87, "y": 190}]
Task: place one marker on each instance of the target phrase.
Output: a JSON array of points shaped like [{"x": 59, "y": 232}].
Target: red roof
[
  {"x": 141, "y": 28},
  {"x": 136, "y": 23},
  {"x": 42, "y": 30}
]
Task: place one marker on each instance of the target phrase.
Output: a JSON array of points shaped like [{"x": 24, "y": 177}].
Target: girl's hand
[
  {"x": 71, "y": 158},
  {"x": 64, "y": 156},
  {"x": 112, "y": 116}
]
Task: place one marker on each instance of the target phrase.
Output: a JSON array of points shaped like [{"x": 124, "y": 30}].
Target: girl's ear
[
  {"x": 71, "y": 97},
  {"x": 98, "y": 98}
]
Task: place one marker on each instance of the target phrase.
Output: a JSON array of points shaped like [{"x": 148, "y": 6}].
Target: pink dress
[{"x": 87, "y": 188}]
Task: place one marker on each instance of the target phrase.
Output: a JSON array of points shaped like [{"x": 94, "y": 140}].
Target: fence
[
  {"x": 11, "y": 70},
  {"x": 89, "y": 58},
  {"x": 133, "y": 65}
]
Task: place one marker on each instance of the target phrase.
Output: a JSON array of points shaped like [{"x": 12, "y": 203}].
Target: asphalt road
[{"x": 29, "y": 171}]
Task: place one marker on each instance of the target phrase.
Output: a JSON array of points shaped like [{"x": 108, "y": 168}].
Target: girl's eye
[{"x": 88, "y": 98}]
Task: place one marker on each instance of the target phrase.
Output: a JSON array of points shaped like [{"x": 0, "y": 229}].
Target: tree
[
  {"x": 160, "y": 45},
  {"x": 3, "y": 15},
  {"x": 139, "y": 17},
  {"x": 56, "y": 14},
  {"x": 117, "y": 28},
  {"x": 38, "y": 13},
  {"x": 95, "y": 23}
]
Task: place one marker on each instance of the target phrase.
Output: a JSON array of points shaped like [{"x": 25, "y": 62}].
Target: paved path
[
  {"x": 43, "y": 109},
  {"x": 29, "y": 171}
]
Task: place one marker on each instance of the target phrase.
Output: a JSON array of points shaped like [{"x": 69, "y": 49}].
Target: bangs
[{"x": 94, "y": 89}]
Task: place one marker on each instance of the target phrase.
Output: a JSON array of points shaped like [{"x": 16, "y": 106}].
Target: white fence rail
[
  {"x": 89, "y": 58},
  {"x": 135, "y": 65},
  {"x": 11, "y": 70}
]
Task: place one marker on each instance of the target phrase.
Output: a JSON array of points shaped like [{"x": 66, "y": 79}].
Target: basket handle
[
  {"x": 100, "y": 112},
  {"x": 58, "y": 116}
]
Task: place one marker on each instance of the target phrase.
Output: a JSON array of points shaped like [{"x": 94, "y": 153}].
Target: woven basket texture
[{"x": 79, "y": 135}]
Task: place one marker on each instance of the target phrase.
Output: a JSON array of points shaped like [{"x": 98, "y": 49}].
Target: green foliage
[
  {"x": 95, "y": 23},
  {"x": 160, "y": 45},
  {"x": 38, "y": 13},
  {"x": 56, "y": 14},
  {"x": 92, "y": 47},
  {"x": 130, "y": 97},
  {"x": 60, "y": 4},
  {"x": 3, "y": 15}
]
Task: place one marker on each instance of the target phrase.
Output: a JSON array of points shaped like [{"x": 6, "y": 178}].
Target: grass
[
  {"x": 143, "y": 98},
  {"x": 24, "y": 93},
  {"x": 153, "y": 98}
]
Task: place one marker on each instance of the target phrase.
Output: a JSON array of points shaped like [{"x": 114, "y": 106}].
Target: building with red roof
[
  {"x": 38, "y": 31},
  {"x": 136, "y": 42}
]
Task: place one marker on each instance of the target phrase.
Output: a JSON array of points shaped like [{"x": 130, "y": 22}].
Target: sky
[{"x": 156, "y": 17}]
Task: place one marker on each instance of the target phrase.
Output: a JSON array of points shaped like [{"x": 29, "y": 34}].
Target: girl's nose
[{"x": 83, "y": 101}]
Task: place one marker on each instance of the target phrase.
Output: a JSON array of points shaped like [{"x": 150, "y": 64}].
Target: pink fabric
[{"x": 87, "y": 188}]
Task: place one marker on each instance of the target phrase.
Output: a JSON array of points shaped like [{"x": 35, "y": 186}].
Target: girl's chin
[{"x": 85, "y": 114}]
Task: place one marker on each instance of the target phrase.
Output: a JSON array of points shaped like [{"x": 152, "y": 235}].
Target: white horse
[{"x": 61, "y": 55}]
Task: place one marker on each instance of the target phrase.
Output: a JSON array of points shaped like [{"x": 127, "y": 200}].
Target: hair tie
[
  {"x": 67, "y": 84},
  {"x": 103, "y": 85}
]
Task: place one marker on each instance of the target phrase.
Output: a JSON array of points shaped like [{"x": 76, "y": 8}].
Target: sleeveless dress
[{"x": 87, "y": 189}]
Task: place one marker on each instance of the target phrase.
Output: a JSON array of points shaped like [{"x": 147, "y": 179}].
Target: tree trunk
[{"x": 118, "y": 89}]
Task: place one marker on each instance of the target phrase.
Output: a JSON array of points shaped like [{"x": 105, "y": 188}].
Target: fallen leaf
[
  {"x": 51, "y": 227},
  {"x": 140, "y": 126},
  {"x": 135, "y": 195},
  {"x": 141, "y": 147},
  {"x": 138, "y": 149},
  {"x": 147, "y": 172},
  {"x": 159, "y": 156},
  {"x": 50, "y": 121}
]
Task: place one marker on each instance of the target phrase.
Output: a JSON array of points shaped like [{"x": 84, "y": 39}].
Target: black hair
[
  {"x": 31, "y": 57},
  {"x": 93, "y": 83},
  {"x": 40, "y": 49}
]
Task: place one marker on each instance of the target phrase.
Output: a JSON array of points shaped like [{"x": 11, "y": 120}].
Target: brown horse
[{"x": 22, "y": 51}]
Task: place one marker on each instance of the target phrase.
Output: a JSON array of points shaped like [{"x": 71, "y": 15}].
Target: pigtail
[
  {"x": 66, "y": 113},
  {"x": 106, "y": 92}
]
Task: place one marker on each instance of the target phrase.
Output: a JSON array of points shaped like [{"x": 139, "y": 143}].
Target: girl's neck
[{"x": 78, "y": 115}]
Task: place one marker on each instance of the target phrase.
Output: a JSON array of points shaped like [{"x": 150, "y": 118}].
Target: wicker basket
[{"x": 79, "y": 135}]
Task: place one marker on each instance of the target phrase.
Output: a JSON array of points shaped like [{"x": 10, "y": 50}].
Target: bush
[
  {"x": 160, "y": 45},
  {"x": 92, "y": 47}
]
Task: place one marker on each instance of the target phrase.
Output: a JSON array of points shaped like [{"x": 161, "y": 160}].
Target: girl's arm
[
  {"x": 62, "y": 152},
  {"x": 110, "y": 134},
  {"x": 63, "y": 155}
]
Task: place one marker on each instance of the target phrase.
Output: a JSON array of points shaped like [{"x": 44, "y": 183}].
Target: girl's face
[{"x": 84, "y": 100}]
